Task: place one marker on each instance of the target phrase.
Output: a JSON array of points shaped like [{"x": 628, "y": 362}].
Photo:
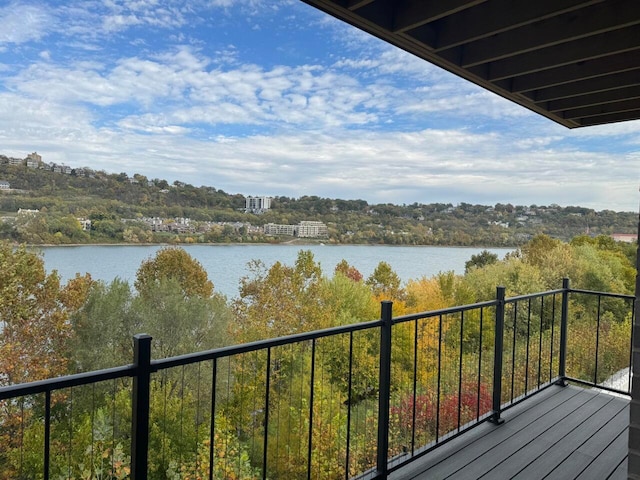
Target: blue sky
[{"x": 276, "y": 98}]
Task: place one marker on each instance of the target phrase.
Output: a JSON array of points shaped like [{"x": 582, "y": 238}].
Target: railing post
[
  {"x": 498, "y": 348},
  {"x": 562, "y": 366},
  {"x": 385, "y": 389},
  {"x": 140, "y": 406}
]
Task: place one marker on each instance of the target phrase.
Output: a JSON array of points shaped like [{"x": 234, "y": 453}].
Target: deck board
[
  {"x": 553, "y": 437},
  {"x": 563, "y": 433},
  {"x": 555, "y": 456}
]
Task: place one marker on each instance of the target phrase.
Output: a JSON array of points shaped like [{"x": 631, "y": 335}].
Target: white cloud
[
  {"x": 398, "y": 168},
  {"x": 25, "y": 22}
]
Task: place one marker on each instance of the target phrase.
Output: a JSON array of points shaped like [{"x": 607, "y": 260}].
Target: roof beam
[
  {"x": 599, "y": 98},
  {"x": 356, "y": 4},
  {"x": 378, "y": 13},
  {"x": 586, "y": 87},
  {"x": 410, "y": 14},
  {"x": 617, "y": 63},
  {"x": 609, "y": 118},
  {"x": 605, "y": 109},
  {"x": 499, "y": 16},
  {"x": 568, "y": 27},
  {"x": 618, "y": 41}
]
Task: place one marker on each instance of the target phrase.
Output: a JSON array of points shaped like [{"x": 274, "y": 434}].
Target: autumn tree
[
  {"x": 34, "y": 332},
  {"x": 34, "y": 316},
  {"x": 280, "y": 300},
  {"x": 348, "y": 271},
  {"x": 176, "y": 263}
]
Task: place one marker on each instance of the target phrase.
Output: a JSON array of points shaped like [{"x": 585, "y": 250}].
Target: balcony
[{"x": 511, "y": 387}]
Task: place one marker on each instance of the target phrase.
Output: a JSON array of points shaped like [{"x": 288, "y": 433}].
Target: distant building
[
  {"x": 16, "y": 161},
  {"x": 307, "y": 229},
  {"x": 27, "y": 211},
  {"x": 33, "y": 160},
  {"x": 275, "y": 229},
  {"x": 4, "y": 185},
  {"x": 625, "y": 237},
  {"x": 257, "y": 204},
  {"x": 85, "y": 223}
]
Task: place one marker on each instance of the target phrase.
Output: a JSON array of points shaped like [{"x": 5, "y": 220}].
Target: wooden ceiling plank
[
  {"x": 577, "y": 71},
  {"x": 499, "y": 16},
  {"x": 586, "y": 87},
  {"x": 627, "y": 93},
  {"x": 604, "y": 109},
  {"x": 568, "y": 27},
  {"x": 618, "y": 41},
  {"x": 410, "y": 14}
]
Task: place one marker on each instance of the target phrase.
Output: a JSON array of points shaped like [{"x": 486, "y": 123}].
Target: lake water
[{"x": 226, "y": 264}]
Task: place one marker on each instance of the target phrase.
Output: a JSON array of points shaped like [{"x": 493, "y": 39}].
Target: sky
[{"x": 273, "y": 97}]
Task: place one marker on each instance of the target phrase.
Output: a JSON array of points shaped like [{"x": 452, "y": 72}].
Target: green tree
[
  {"x": 485, "y": 257},
  {"x": 103, "y": 327},
  {"x": 385, "y": 284},
  {"x": 179, "y": 324}
]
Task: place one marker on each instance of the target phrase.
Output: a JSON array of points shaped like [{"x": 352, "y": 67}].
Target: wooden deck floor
[{"x": 562, "y": 433}]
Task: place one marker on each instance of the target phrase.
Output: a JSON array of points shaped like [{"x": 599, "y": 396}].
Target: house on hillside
[
  {"x": 33, "y": 160},
  {"x": 4, "y": 185},
  {"x": 85, "y": 223}
]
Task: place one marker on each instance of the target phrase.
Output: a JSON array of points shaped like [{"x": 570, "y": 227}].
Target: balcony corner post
[
  {"x": 140, "y": 406},
  {"x": 497, "y": 357},
  {"x": 382, "y": 470},
  {"x": 562, "y": 365}
]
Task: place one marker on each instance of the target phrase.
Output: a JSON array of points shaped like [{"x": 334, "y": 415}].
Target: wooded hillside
[{"x": 116, "y": 204}]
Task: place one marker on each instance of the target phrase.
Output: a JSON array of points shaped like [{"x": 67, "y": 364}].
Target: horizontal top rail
[
  {"x": 529, "y": 296},
  {"x": 222, "y": 352},
  {"x": 443, "y": 311},
  {"x": 75, "y": 380},
  {"x": 603, "y": 294}
]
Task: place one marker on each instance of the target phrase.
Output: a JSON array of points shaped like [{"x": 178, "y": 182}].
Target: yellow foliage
[{"x": 424, "y": 295}]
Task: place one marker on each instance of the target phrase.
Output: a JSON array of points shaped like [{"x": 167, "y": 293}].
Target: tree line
[{"x": 49, "y": 329}]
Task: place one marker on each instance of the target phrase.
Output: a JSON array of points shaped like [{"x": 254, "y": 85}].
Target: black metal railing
[{"x": 356, "y": 401}]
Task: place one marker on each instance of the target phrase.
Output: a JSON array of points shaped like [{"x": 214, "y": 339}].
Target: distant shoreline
[{"x": 261, "y": 244}]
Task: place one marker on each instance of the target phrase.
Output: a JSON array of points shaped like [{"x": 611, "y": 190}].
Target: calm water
[{"x": 226, "y": 264}]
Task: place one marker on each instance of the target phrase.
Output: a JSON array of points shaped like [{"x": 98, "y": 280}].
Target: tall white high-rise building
[{"x": 256, "y": 204}]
